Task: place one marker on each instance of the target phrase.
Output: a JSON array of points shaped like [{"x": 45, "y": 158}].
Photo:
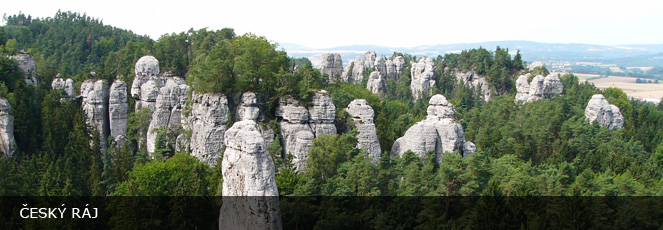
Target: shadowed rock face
[
  {"x": 95, "y": 106},
  {"x": 250, "y": 195},
  {"x": 540, "y": 87},
  {"x": 598, "y": 109},
  {"x": 395, "y": 68},
  {"x": 332, "y": 65},
  {"x": 354, "y": 72},
  {"x": 300, "y": 125},
  {"x": 367, "y": 139},
  {"x": 27, "y": 65},
  {"x": 7, "y": 142},
  {"x": 207, "y": 122},
  {"x": 473, "y": 79},
  {"x": 67, "y": 85},
  {"x": 439, "y": 133},
  {"x": 118, "y": 109},
  {"x": 377, "y": 84},
  {"x": 168, "y": 109},
  {"x": 423, "y": 77}
]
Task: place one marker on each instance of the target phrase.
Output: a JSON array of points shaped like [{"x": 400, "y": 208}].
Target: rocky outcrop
[
  {"x": 395, "y": 68},
  {"x": 27, "y": 65},
  {"x": 598, "y": 109},
  {"x": 332, "y": 65},
  {"x": 95, "y": 106},
  {"x": 362, "y": 115},
  {"x": 146, "y": 83},
  {"x": 380, "y": 65},
  {"x": 354, "y": 72},
  {"x": 439, "y": 132},
  {"x": 66, "y": 85},
  {"x": 377, "y": 84},
  {"x": 423, "y": 77},
  {"x": 250, "y": 195},
  {"x": 475, "y": 80},
  {"x": 168, "y": 109},
  {"x": 539, "y": 88},
  {"x": 248, "y": 107},
  {"x": 7, "y": 142},
  {"x": 207, "y": 124},
  {"x": 118, "y": 109},
  {"x": 300, "y": 125}
]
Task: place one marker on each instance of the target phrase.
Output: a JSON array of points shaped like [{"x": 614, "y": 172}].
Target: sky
[{"x": 333, "y": 23}]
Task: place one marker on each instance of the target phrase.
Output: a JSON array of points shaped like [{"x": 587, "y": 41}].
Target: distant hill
[{"x": 531, "y": 51}]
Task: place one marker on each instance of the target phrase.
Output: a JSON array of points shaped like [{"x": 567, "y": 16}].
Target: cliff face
[
  {"x": 250, "y": 195},
  {"x": 439, "y": 133},
  {"x": 332, "y": 65},
  {"x": 27, "y": 65},
  {"x": 354, "y": 71},
  {"x": 118, "y": 109},
  {"x": 362, "y": 115},
  {"x": 598, "y": 109},
  {"x": 168, "y": 109},
  {"x": 95, "y": 106},
  {"x": 207, "y": 124},
  {"x": 7, "y": 141},
  {"x": 423, "y": 77}
]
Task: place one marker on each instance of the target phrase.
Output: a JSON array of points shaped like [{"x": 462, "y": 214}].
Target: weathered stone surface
[
  {"x": 27, "y": 65},
  {"x": 146, "y": 83},
  {"x": 67, "y": 85},
  {"x": 250, "y": 195},
  {"x": 598, "y": 109},
  {"x": 395, "y": 68},
  {"x": 207, "y": 123},
  {"x": 362, "y": 115},
  {"x": 439, "y": 132},
  {"x": 380, "y": 65},
  {"x": 168, "y": 109},
  {"x": 95, "y": 106},
  {"x": 118, "y": 109},
  {"x": 7, "y": 141},
  {"x": 469, "y": 148},
  {"x": 475, "y": 80},
  {"x": 354, "y": 72},
  {"x": 248, "y": 107},
  {"x": 323, "y": 113},
  {"x": 423, "y": 77},
  {"x": 332, "y": 65},
  {"x": 377, "y": 84},
  {"x": 540, "y": 87},
  {"x": 290, "y": 110}
]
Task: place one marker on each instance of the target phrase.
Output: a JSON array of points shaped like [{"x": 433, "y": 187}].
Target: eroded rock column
[{"x": 362, "y": 115}]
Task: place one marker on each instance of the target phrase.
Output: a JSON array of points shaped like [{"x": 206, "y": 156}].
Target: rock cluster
[
  {"x": 423, "y": 77},
  {"x": 354, "y": 72},
  {"x": 207, "y": 122},
  {"x": 362, "y": 115},
  {"x": 300, "y": 125},
  {"x": 118, "y": 110},
  {"x": 332, "y": 65},
  {"x": 95, "y": 106},
  {"x": 475, "y": 80},
  {"x": 250, "y": 195},
  {"x": 67, "y": 85},
  {"x": 27, "y": 65},
  {"x": 439, "y": 132},
  {"x": 7, "y": 142},
  {"x": 146, "y": 83},
  {"x": 607, "y": 115},
  {"x": 377, "y": 84},
  {"x": 170, "y": 101},
  {"x": 540, "y": 87},
  {"x": 395, "y": 68}
]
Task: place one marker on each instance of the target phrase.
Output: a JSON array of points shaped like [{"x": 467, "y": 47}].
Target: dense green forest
[{"x": 542, "y": 148}]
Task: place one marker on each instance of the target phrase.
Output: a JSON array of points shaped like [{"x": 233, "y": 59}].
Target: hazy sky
[{"x": 330, "y": 23}]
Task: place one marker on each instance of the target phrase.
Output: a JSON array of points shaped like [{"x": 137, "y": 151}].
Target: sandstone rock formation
[
  {"x": 67, "y": 85},
  {"x": 395, "y": 68},
  {"x": 146, "y": 83},
  {"x": 95, "y": 106},
  {"x": 248, "y": 107},
  {"x": 423, "y": 77},
  {"x": 332, "y": 65},
  {"x": 380, "y": 65},
  {"x": 27, "y": 65},
  {"x": 439, "y": 132},
  {"x": 7, "y": 142},
  {"x": 299, "y": 126},
  {"x": 598, "y": 109},
  {"x": 168, "y": 109},
  {"x": 354, "y": 72},
  {"x": 377, "y": 84},
  {"x": 250, "y": 195},
  {"x": 362, "y": 115},
  {"x": 118, "y": 109},
  {"x": 207, "y": 122},
  {"x": 475, "y": 80},
  {"x": 540, "y": 87}
]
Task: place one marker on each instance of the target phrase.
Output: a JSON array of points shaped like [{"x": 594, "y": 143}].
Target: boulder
[
  {"x": 522, "y": 88},
  {"x": 332, "y": 65},
  {"x": 439, "y": 132},
  {"x": 423, "y": 77},
  {"x": 7, "y": 141},
  {"x": 250, "y": 195},
  {"x": 367, "y": 139},
  {"x": 598, "y": 109}
]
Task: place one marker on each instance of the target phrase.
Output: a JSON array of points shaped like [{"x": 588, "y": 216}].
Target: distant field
[{"x": 625, "y": 83}]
